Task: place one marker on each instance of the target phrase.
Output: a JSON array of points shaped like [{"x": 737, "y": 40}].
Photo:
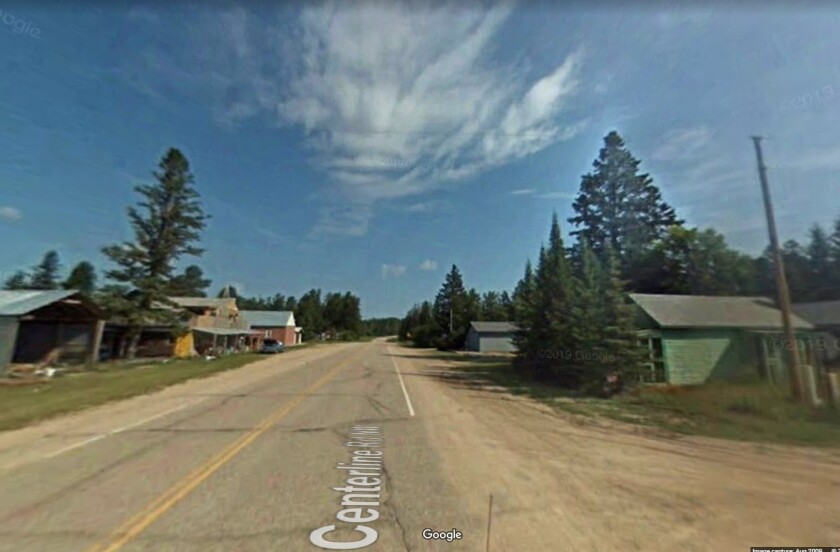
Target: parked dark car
[{"x": 272, "y": 346}]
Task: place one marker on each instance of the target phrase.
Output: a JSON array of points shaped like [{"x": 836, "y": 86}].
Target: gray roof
[
  {"x": 493, "y": 327},
  {"x": 198, "y": 302},
  {"x": 820, "y": 313},
  {"x": 704, "y": 311},
  {"x": 222, "y": 331},
  {"x": 20, "y": 302},
  {"x": 267, "y": 319}
]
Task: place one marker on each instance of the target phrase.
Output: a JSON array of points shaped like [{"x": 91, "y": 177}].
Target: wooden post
[
  {"x": 792, "y": 346},
  {"x": 96, "y": 342}
]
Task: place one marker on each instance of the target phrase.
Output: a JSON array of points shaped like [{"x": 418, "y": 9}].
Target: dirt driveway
[{"x": 565, "y": 483}]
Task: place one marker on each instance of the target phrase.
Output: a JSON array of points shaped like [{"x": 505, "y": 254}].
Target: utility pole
[{"x": 791, "y": 345}]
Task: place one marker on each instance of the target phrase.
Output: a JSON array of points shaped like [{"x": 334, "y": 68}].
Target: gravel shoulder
[{"x": 562, "y": 482}]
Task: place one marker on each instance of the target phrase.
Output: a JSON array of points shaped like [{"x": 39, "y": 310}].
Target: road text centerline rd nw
[{"x": 154, "y": 510}]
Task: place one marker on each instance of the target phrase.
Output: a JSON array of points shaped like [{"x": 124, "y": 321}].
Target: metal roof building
[
  {"x": 48, "y": 326},
  {"x": 490, "y": 337}
]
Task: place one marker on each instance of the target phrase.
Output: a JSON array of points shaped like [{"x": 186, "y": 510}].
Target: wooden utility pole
[{"x": 790, "y": 345}]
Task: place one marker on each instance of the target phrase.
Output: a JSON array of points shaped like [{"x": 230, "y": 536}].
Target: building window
[
  {"x": 653, "y": 370},
  {"x": 267, "y": 333}
]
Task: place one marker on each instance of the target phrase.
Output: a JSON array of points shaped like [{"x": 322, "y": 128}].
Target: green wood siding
[{"x": 700, "y": 356}]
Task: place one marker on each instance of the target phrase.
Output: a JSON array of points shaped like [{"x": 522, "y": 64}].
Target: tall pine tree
[
  {"x": 167, "y": 224},
  {"x": 617, "y": 206}
]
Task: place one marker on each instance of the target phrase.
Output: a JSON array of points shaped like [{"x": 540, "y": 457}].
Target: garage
[
  {"x": 59, "y": 326},
  {"x": 491, "y": 337}
]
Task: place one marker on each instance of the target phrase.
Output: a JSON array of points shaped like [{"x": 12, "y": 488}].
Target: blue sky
[{"x": 366, "y": 147}]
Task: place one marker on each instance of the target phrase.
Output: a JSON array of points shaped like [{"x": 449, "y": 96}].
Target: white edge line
[
  {"x": 121, "y": 429},
  {"x": 402, "y": 383},
  {"x": 76, "y": 445},
  {"x": 156, "y": 416}
]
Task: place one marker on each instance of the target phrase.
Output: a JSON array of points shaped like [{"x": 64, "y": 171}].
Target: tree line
[
  {"x": 445, "y": 321},
  {"x": 573, "y": 317},
  {"x": 335, "y": 314}
]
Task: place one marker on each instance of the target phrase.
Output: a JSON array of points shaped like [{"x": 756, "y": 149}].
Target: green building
[{"x": 698, "y": 339}]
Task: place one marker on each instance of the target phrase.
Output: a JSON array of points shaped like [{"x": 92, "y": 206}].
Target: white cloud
[
  {"x": 426, "y": 206},
  {"x": 557, "y": 195},
  {"x": 681, "y": 144},
  {"x": 342, "y": 220},
  {"x": 392, "y": 271},
  {"x": 10, "y": 214},
  {"x": 388, "y": 113},
  {"x": 428, "y": 265},
  {"x": 522, "y": 191}
]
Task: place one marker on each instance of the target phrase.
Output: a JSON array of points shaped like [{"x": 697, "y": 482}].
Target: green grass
[
  {"x": 746, "y": 412},
  {"x": 24, "y": 405}
]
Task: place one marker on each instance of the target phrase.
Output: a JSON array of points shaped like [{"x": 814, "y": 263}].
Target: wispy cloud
[
  {"x": 364, "y": 84},
  {"x": 10, "y": 214},
  {"x": 392, "y": 271},
  {"x": 426, "y": 206},
  {"x": 682, "y": 144},
  {"x": 350, "y": 219},
  {"x": 428, "y": 265},
  {"x": 522, "y": 191},
  {"x": 556, "y": 195}
]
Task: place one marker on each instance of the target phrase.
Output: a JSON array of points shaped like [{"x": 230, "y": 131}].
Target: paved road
[{"x": 250, "y": 461}]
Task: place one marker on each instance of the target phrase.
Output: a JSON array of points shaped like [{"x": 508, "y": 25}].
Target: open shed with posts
[{"x": 48, "y": 327}]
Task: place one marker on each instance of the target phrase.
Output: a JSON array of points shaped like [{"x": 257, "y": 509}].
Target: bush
[{"x": 427, "y": 335}]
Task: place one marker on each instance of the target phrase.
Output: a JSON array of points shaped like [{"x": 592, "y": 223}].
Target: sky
[{"x": 369, "y": 146}]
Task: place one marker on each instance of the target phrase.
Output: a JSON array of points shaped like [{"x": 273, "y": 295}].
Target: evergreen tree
[
  {"x": 822, "y": 272},
  {"x": 524, "y": 304},
  {"x": 82, "y": 277},
  {"x": 45, "y": 274},
  {"x": 551, "y": 328},
  {"x": 619, "y": 207},
  {"x": 18, "y": 280},
  {"x": 450, "y": 308},
  {"x": 167, "y": 224},
  {"x": 620, "y": 343},
  {"x": 494, "y": 306},
  {"x": 506, "y": 304},
  {"x": 189, "y": 284},
  {"x": 472, "y": 309},
  {"x": 589, "y": 313}
]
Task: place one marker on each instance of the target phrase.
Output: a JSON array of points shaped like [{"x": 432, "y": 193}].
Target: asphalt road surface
[{"x": 368, "y": 445}]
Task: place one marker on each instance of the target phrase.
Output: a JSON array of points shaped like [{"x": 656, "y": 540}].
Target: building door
[{"x": 773, "y": 360}]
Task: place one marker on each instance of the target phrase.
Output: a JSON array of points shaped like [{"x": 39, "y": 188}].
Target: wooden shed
[
  {"x": 694, "y": 339},
  {"x": 63, "y": 325}
]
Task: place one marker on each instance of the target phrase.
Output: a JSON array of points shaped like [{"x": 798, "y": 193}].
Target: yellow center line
[{"x": 155, "y": 509}]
